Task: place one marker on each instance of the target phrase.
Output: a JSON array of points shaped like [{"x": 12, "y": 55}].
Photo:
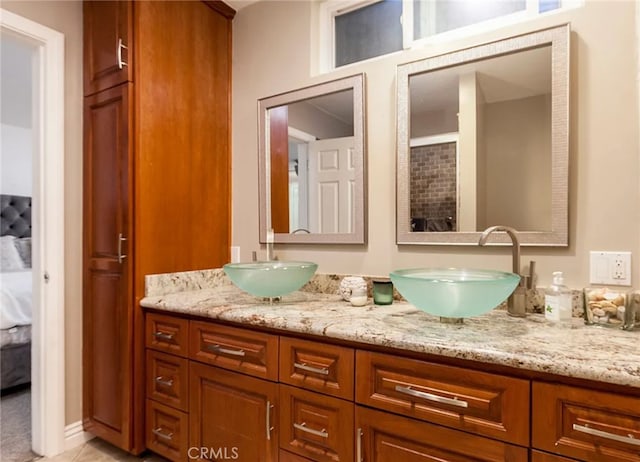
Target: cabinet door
[
  {"x": 231, "y": 415},
  {"x": 107, "y": 297},
  {"x": 384, "y": 437},
  {"x": 107, "y": 44}
]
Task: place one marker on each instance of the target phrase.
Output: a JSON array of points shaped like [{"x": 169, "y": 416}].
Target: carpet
[{"x": 15, "y": 427}]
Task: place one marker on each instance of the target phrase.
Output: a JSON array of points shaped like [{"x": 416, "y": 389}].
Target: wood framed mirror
[
  {"x": 483, "y": 139},
  {"x": 312, "y": 168}
]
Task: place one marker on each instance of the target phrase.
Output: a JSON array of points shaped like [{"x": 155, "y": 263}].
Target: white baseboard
[{"x": 74, "y": 435}]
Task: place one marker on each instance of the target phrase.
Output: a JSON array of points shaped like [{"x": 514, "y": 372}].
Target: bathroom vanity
[{"x": 315, "y": 379}]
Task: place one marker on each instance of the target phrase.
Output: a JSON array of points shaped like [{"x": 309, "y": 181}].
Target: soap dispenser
[{"x": 558, "y": 300}]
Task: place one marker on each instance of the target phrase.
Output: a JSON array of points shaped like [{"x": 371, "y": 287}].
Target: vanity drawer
[
  {"x": 317, "y": 366},
  {"x": 386, "y": 437},
  {"x": 167, "y": 431},
  {"x": 241, "y": 350},
  {"x": 167, "y": 333},
  {"x": 316, "y": 426},
  {"x": 487, "y": 404},
  {"x": 167, "y": 379},
  {"x": 586, "y": 424}
]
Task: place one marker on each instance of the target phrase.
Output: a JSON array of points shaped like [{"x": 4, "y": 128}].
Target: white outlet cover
[{"x": 610, "y": 268}]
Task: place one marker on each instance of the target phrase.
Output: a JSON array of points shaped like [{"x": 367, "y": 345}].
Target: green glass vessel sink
[
  {"x": 454, "y": 292},
  {"x": 270, "y": 278}
]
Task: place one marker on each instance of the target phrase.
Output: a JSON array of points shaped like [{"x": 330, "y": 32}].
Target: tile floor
[{"x": 99, "y": 451}]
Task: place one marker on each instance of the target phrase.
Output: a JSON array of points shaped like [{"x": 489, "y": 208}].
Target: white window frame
[{"x": 329, "y": 9}]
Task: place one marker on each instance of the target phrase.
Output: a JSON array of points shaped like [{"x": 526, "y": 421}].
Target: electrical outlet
[{"x": 612, "y": 268}]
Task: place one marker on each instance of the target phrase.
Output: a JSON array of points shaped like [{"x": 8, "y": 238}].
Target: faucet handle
[{"x": 531, "y": 278}]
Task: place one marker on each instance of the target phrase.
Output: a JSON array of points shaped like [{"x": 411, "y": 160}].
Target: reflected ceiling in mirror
[
  {"x": 483, "y": 140},
  {"x": 311, "y": 157}
]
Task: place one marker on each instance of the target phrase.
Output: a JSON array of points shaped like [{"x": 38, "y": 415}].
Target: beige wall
[
  {"x": 66, "y": 17},
  {"x": 270, "y": 36}
]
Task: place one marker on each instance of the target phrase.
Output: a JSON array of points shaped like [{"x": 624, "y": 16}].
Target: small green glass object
[{"x": 382, "y": 292}]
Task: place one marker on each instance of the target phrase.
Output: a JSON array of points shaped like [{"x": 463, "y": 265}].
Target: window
[
  {"x": 359, "y": 30},
  {"x": 368, "y": 31}
]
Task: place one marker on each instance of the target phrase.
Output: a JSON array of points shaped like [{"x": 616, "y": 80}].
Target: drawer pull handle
[
  {"x": 359, "y": 445},
  {"x": 315, "y": 370},
  {"x": 163, "y": 336},
  {"x": 164, "y": 382},
  {"x": 268, "y": 420},
  {"x": 121, "y": 45},
  {"x": 303, "y": 427},
  {"x": 610, "y": 436},
  {"x": 225, "y": 351},
  {"x": 428, "y": 396},
  {"x": 160, "y": 434}
]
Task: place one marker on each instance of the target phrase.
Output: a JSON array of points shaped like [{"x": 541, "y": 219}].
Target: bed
[{"x": 15, "y": 291}]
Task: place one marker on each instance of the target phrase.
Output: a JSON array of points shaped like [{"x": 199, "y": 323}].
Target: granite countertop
[{"x": 587, "y": 352}]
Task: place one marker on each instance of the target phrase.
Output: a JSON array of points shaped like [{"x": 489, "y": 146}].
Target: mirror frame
[
  {"x": 355, "y": 83},
  {"x": 558, "y": 38}
]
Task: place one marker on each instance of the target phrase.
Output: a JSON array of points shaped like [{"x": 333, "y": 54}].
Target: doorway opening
[{"x": 32, "y": 187}]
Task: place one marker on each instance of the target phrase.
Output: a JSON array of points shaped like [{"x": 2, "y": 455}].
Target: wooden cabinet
[
  {"x": 232, "y": 413},
  {"x": 385, "y": 437},
  {"x": 156, "y": 184},
  {"x": 248, "y": 401},
  {"x": 585, "y": 424}
]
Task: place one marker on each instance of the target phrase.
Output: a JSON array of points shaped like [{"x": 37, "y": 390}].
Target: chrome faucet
[{"x": 517, "y": 301}]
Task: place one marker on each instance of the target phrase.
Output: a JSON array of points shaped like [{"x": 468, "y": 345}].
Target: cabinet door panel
[
  {"x": 232, "y": 413},
  {"x": 107, "y": 295},
  {"x": 107, "y": 44},
  {"x": 389, "y": 438}
]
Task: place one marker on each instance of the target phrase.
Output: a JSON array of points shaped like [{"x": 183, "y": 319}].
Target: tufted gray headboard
[{"x": 15, "y": 215}]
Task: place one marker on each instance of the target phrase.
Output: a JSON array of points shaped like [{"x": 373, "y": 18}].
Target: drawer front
[
  {"x": 167, "y": 333},
  {"x": 487, "y": 404},
  {"x": 241, "y": 350},
  {"x": 318, "y": 367},
  {"x": 316, "y": 426},
  {"x": 167, "y": 431},
  {"x": 167, "y": 379},
  {"x": 586, "y": 424},
  {"x": 385, "y": 437}
]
